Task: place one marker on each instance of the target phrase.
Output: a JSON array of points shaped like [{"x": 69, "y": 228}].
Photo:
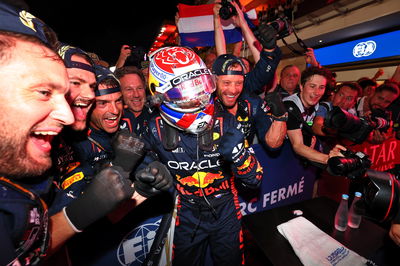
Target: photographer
[
  {"x": 265, "y": 53},
  {"x": 125, "y": 52},
  {"x": 384, "y": 95},
  {"x": 231, "y": 8},
  {"x": 130, "y": 56},
  {"x": 345, "y": 96}
]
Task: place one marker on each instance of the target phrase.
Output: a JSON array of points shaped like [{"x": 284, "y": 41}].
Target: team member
[
  {"x": 34, "y": 83},
  {"x": 201, "y": 150},
  {"x": 98, "y": 148},
  {"x": 133, "y": 87},
  {"x": 82, "y": 80},
  {"x": 251, "y": 112}
]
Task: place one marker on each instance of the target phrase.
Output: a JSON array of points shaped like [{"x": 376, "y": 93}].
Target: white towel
[{"x": 315, "y": 248}]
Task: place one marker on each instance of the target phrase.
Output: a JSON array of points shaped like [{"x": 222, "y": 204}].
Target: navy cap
[
  {"x": 102, "y": 74},
  {"x": 14, "y": 19},
  {"x": 66, "y": 52},
  {"x": 222, "y": 64}
]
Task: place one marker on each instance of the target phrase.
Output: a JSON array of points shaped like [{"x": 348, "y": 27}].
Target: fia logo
[
  {"x": 134, "y": 247},
  {"x": 363, "y": 49}
]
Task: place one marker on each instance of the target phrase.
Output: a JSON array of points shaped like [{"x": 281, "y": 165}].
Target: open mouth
[
  {"x": 43, "y": 139},
  {"x": 80, "y": 109},
  {"x": 230, "y": 97},
  {"x": 111, "y": 121}
]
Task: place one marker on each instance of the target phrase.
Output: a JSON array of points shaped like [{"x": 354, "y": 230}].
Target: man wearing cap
[
  {"x": 34, "y": 85},
  {"x": 105, "y": 145},
  {"x": 255, "y": 116},
  {"x": 101, "y": 145},
  {"x": 82, "y": 80}
]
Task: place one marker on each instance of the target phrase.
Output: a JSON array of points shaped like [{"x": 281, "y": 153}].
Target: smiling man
[
  {"x": 33, "y": 112},
  {"x": 133, "y": 87},
  {"x": 36, "y": 110},
  {"x": 268, "y": 122},
  {"x": 95, "y": 144},
  {"x": 107, "y": 111},
  {"x": 302, "y": 109},
  {"x": 34, "y": 223},
  {"x": 82, "y": 81}
]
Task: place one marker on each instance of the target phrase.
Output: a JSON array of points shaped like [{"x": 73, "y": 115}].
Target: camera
[
  {"x": 381, "y": 190},
  {"x": 354, "y": 128},
  {"x": 136, "y": 57},
  {"x": 381, "y": 195},
  {"x": 282, "y": 26},
  {"x": 380, "y": 119},
  {"x": 227, "y": 10},
  {"x": 268, "y": 33},
  {"x": 352, "y": 165}
]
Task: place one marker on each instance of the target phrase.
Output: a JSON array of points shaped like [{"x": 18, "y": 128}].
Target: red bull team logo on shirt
[{"x": 199, "y": 179}]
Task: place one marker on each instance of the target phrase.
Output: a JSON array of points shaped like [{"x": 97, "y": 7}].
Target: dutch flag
[{"x": 196, "y": 27}]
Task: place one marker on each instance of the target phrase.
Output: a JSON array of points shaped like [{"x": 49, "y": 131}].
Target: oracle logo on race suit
[{"x": 363, "y": 49}]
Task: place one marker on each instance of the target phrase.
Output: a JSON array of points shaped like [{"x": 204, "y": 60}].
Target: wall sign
[{"x": 375, "y": 47}]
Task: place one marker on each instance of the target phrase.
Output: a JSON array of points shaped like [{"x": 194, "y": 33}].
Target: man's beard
[{"x": 15, "y": 161}]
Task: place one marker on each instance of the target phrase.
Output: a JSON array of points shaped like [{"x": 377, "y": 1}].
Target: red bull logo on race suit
[{"x": 199, "y": 179}]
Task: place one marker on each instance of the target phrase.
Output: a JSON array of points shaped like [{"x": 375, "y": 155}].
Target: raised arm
[{"x": 220, "y": 44}]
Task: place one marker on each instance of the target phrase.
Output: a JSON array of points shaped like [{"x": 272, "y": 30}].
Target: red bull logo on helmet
[{"x": 200, "y": 179}]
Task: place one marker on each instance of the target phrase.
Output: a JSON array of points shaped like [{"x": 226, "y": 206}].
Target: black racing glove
[
  {"x": 128, "y": 150},
  {"x": 153, "y": 179},
  {"x": 232, "y": 147},
  {"x": 107, "y": 190},
  {"x": 266, "y": 35},
  {"x": 274, "y": 101}
]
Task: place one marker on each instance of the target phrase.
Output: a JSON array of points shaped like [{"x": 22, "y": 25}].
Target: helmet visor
[{"x": 190, "y": 94}]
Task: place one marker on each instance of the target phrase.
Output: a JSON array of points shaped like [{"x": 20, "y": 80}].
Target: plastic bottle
[
  {"x": 354, "y": 218},
  {"x": 342, "y": 214}
]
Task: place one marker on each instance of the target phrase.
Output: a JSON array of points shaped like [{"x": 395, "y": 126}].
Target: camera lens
[
  {"x": 227, "y": 10},
  {"x": 342, "y": 120},
  {"x": 342, "y": 165},
  {"x": 225, "y": 13},
  {"x": 381, "y": 195}
]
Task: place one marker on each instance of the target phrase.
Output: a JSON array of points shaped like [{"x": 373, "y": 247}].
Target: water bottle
[
  {"x": 342, "y": 214},
  {"x": 354, "y": 219}
]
